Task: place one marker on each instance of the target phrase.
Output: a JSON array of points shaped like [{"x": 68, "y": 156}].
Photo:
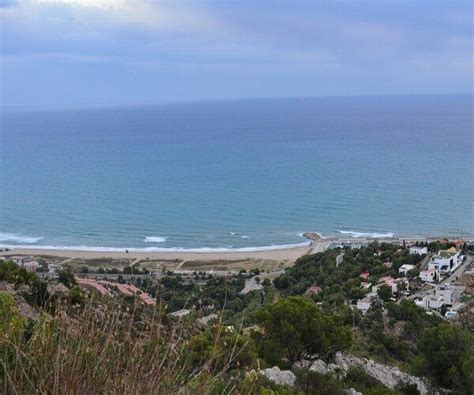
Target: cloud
[{"x": 341, "y": 45}]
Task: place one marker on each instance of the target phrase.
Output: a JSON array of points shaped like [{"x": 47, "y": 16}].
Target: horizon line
[{"x": 88, "y": 105}]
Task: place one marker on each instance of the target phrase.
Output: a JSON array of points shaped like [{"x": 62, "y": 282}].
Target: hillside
[{"x": 203, "y": 335}]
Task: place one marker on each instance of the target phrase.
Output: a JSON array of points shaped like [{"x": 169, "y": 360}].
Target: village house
[
  {"x": 314, "y": 290},
  {"x": 446, "y": 295},
  {"x": 404, "y": 269},
  {"x": 364, "y": 275},
  {"x": 418, "y": 250},
  {"x": 393, "y": 283},
  {"x": 429, "y": 275},
  {"x": 26, "y": 262},
  {"x": 31, "y": 266},
  {"x": 364, "y": 304},
  {"x": 446, "y": 261}
]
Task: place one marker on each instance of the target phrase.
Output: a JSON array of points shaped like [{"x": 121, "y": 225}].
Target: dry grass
[{"x": 110, "y": 351}]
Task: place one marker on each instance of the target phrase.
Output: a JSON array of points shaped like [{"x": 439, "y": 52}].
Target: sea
[{"x": 236, "y": 174}]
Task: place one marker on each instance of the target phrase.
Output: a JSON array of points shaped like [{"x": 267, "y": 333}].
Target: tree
[
  {"x": 295, "y": 328},
  {"x": 76, "y": 296},
  {"x": 221, "y": 349},
  {"x": 384, "y": 292},
  {"x": 67, "y": 278},
  {"x": 447, "y": 354}
]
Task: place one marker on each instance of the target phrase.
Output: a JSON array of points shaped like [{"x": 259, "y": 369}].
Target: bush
[
  {"x": 67, "y": 278},
  {"x": 316, "y": 383},
  {"x": 294, "y": 328}
]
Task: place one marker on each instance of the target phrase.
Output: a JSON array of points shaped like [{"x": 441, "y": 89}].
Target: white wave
[
  {"x": 158, "y": 249},
  {"x": 232, "y": 233},
  {"x": 155, "y": 239},
  {"x": 244, "y": 237},
  {"x": 17, "y": 238},
  {"x": 352, "y": 233}
]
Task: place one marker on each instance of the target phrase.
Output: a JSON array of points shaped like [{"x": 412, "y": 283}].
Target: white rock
[
  {"x": 205, "y": 320},
  {"x": 281, "y": 377},
  {"x": 319, "y": 366},
  {"x": 180, "y": 313},
  {"x": 352, "y": 391},
  {"x": 389, "y": 376}
]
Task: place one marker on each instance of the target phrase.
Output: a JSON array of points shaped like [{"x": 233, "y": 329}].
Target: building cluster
[
  {"x": 443, "y": 297},
  {"x": 442, "y": 264},
  {"x": 26, "y": 262},
  {"x": 398, "y": 286}
]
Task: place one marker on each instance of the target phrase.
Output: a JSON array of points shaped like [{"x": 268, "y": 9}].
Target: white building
[
  {"x": 404, "y": 269},
  {"x": 430, "y": 275},
  {"x": 364, "y": 304},
  {"x": 30, "y": 266},
  {"x": 446, "y": 261},
  {"x": 418, "y": 250},
  {"x": 432, "y": 302},
  {"x": 446, "y": 295}
]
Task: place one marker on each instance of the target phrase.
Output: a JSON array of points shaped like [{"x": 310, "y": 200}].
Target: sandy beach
[{"x": 289, "y": 254}]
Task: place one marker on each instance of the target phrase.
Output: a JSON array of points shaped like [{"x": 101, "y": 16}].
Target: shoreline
[
  {"x": 281, "y": 254},
  {"x": 315, "y": 243}
]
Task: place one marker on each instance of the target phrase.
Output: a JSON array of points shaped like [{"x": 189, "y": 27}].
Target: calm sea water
[{"x": 236, "y": 174}]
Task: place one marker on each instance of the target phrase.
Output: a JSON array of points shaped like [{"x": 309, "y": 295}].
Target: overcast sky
[{"x": 63, "y": 52}]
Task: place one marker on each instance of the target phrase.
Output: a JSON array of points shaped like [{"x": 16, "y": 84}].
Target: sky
[{"x": 100, "y": 52}]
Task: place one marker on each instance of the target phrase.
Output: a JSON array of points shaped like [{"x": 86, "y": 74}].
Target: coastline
[
  {"x": 315, "y": 243},
  {"x": 279, "y": 254}
]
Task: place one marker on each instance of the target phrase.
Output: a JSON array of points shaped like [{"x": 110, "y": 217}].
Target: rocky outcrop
[
  {"x": 180, "y": 313},
  {"x": 24, "y": 309},
  {"x": 205, "y": 320},
  {"x": 389, "y": 376},
  {"x": 281, "y": 377}
]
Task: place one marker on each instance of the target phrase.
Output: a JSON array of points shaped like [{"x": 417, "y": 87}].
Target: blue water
[{"x": 236, "y": 174}]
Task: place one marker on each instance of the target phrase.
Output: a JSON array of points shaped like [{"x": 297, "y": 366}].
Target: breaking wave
[
  {"x": 158, "y": 249},
  {"x": 17, "y": 238},
  {"x": 155, "y": 239},
  {"x": 352, "y": 233}
]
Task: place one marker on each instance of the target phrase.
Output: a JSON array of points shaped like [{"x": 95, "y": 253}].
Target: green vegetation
[
  {"x": 295, "y": 329},
  {"x": 83, "y": 342},
  {"x": 447, "y": 355}
]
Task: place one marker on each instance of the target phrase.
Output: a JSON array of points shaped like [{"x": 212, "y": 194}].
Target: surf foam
[
  {"x": 155, "y": 239},
  {"x": 158, "y": 249},
  {"x": 17, "y": 238},
  {"x": 353, "y": 233}
]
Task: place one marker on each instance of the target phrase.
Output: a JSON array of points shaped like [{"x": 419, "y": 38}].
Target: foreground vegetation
[{"x": 82, "y": 342}]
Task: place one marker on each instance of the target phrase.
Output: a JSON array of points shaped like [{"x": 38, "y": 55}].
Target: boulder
[
  {"x": 319, "y": 366},
  {"x": 301, "y": 364},
  {"x": 352, "y": 391},
  {"x": 281, "y": 377},
  {"x": 205, "y": 320}
]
